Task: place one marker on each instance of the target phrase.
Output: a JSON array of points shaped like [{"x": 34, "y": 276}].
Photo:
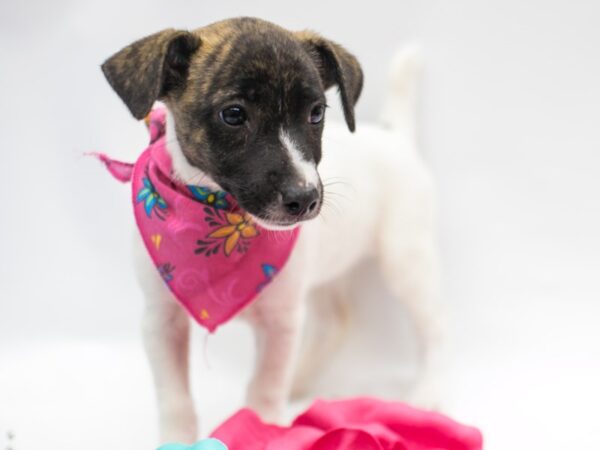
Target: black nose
[{"x": 298, "y": 201}]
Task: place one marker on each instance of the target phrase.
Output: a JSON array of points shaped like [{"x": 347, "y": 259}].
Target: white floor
[{"x": 525, "y": 371}]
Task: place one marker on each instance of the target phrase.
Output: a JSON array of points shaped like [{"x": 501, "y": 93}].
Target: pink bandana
[{"x": 209, "y": 252}]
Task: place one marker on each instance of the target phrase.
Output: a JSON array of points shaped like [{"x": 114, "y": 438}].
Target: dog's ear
[
  {"x": 150, "y": 68},
  {"x": 336, "y": 66}
]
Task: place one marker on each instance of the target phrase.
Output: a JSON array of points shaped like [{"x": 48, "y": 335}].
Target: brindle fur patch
[{"x": 150, "y": 68}]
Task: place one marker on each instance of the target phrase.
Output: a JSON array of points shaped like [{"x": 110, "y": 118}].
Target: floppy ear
[
  {"x": 336, "y": 66},
  {"x": 150, "y": 68}
]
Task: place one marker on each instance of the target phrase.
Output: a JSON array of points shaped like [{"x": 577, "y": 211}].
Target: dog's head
[{"x": 248, "y": 102}]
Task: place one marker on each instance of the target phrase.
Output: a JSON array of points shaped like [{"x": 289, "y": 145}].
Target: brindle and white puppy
[{"x": 246, "y": 103}]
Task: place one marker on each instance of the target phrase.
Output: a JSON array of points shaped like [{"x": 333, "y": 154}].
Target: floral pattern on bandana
[
  {"x": 233, "y": 232},
  {"x": 216, "y": 199},
  {"x": 166, "y": 271},
  {"x": 151, "y": 198},
  {"x": 269, "y": 272}
]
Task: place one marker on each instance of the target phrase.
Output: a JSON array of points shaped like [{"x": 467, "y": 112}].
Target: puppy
[{"x": 245, "y": 106}]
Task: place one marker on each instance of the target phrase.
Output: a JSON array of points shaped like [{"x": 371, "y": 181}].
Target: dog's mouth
[
  {"x": 281, "y": 208},
  {"x": 277, "y": 220},
  {"x": 278, "y": 223},
  {"x": 279, "y": 215},
  {"x": 275, "y": 225}
]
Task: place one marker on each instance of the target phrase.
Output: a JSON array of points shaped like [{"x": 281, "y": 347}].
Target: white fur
[
  {"x": 182, "y": 169},
  {"x": 306, "y": 170},
  {"x": 378, "y": 203},
  {"x": 403, "y": 80}
]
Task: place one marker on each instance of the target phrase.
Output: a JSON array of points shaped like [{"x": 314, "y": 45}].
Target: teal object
[{"x": 204, "y": 444}]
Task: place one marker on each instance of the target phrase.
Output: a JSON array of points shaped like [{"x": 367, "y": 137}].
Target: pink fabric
[
  {"x": 210, "y": 253},
  {"x": 356, "y": 424},
  {"x": 120, "y": 170}
]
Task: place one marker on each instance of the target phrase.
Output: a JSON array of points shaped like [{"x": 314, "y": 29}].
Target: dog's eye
[
  {"x": 234, "y": 116},
  {"x": 317, "y": 114}
]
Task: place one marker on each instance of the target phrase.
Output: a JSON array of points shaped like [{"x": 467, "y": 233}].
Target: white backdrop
[{"x": 509, "y": 121}]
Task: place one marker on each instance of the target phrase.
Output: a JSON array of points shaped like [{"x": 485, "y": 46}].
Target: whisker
[
  {"x": 330, "y": 205},
  {"x": 337, "y": 195}
]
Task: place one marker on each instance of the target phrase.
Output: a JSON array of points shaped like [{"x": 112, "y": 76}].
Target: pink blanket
[{"x": 356, "y": 424}]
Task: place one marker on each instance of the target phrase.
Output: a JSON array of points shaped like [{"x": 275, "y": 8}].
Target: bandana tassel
[{"x": 122, "y": 171}]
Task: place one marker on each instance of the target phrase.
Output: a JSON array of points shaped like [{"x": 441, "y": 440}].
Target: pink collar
[{"x": 209, "y": 252}]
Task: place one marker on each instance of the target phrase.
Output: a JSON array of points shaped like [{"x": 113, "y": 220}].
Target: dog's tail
[{"x": 400, "y": 106}]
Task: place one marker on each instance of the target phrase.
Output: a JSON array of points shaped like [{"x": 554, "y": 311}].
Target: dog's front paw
[
  {"x": 267, "y": 405},
  {"x": 179, "y": 424},
  {"x": 427, "y": 395}
]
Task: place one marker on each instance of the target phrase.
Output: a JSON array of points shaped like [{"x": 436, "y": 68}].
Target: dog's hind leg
[
  {"x": 166, "y": 339},
  {"x": 406, "y": 243},
  {"x": 408, "y": 259}
]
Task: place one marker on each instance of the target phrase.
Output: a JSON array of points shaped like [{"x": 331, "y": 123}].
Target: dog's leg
[
  {"x": 277, "y": 320},
  {"x": 411, "y": 275},
  {"x": 166, "y": 339},
  {"x": 324, "y": 332},
  {"x": 409, "y": 262}
]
